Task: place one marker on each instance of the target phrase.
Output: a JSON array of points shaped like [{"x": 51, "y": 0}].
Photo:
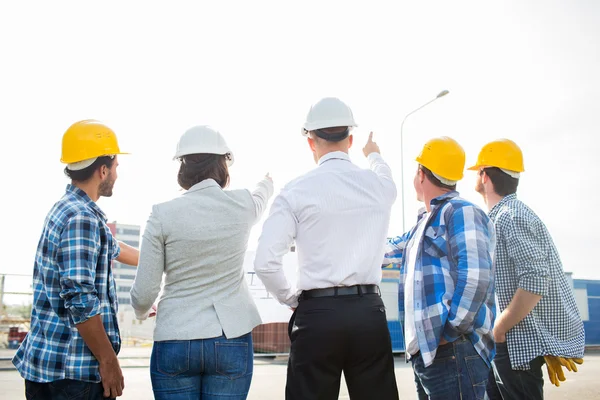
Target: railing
[{"x": 270, "y": 339}]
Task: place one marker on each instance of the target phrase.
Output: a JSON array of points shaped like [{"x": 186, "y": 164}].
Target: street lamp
[{"x": 441, "y": 94}]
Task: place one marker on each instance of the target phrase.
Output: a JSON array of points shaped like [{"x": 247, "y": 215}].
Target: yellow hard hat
[
  {"x": 502, "y": 153},
  {"x": 444, "y": 157},
  {"x": 88, "y": 139}
]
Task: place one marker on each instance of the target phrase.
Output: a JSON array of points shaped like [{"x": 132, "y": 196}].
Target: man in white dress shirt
[{"x": 338, "y": 216}]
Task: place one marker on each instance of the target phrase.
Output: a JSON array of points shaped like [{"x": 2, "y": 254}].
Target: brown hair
[
  {"x": 195, "y": 168},
  {"x": 435, "y": 180},
  {"x": 84, "y": 174}
]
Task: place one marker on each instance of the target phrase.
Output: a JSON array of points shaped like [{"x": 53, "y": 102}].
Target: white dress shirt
[{"x": 338, "y": 215}]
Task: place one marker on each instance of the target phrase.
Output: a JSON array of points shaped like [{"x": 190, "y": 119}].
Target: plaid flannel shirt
[
  {"x": 72, "y": 282},
  {"x": 526, "y": 258},
  {"x": 454, "y": 276}
]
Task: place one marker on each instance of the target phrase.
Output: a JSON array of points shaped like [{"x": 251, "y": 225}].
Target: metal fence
[{"x": 270, "y": 339}]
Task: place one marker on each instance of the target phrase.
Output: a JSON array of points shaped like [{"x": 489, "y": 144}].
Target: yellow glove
[
  {"x": 569, "y": 363},
  {"x": 554, "y": 365},
  {"x": 555, "y": 372}
]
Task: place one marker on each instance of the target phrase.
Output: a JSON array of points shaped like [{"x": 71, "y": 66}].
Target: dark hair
[
  {"x": 435, "y": 180},
  {"x": 195, "y": 168},
  {"x": 503, "y": 183},
  {"x": 336, "y": 133},
  {"x": 84, "y": 174}
]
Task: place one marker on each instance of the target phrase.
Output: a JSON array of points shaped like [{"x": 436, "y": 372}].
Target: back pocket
[
  {"x": 232, "y": 359},
  {"x": 173, "y": 357}
]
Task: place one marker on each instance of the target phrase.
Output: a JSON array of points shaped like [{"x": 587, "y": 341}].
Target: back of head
[
  {"x": 502, "y": 161},
  {"x": 203, "y": 154},
  {"x": 442, "y": 160},
  {"x": 329, "y": 119}
]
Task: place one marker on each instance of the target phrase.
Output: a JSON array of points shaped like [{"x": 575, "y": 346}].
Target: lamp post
[{"x": 441, "y": 94}]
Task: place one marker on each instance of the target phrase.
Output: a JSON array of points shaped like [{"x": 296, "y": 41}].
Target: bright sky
[{"x": 523, "y": 70}]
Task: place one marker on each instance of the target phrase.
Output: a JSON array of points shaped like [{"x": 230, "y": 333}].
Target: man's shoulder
[
  {"x": 305, "y": 179},
  {"x": 68, "y": 208},
  {"x": 460, "y": 204},
  {"x": 515, "y": 211}
]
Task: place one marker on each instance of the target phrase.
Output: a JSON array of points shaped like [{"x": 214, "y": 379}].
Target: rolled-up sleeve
[
  {"x": 77, "y": 258},
  {"x": 115, "y": 248},
  {"x": 148, "y": 277},
  {"x": 527, "y": 247},
  {"x": 394, "y": 250}
]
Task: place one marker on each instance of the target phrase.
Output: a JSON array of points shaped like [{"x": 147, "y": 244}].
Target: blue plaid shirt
[
  {"x": 454, "y": 276},
  {"x": 72, "y": 282}
]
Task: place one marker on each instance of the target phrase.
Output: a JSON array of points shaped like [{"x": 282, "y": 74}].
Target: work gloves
[{"x": 554, "y": 365}]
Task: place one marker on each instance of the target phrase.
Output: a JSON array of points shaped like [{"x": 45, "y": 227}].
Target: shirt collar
[
  {"x": 494, "y": 211},
  {"x": 82, "y": 195},
  {"x": 334, "y": 155},
  {"x": 446, "y": 196},
  {"x": 203, "y": 185}
]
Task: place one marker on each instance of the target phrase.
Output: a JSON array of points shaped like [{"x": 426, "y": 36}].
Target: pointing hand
[{"x": 371, "y": 146}]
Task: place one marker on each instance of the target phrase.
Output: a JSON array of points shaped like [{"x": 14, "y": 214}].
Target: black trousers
[
  {"x": 343, "y": 333},
  {"x": 505, "y": 383},
  {"x": 64, "y": 389}
]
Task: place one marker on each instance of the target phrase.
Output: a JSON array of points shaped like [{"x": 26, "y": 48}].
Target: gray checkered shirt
[{"x": 526, "y": 258}]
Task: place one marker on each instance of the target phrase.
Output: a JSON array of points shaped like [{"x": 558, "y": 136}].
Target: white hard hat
[
  {"x": 328, "y": 113},
  {"x": 203, "y": 139}
]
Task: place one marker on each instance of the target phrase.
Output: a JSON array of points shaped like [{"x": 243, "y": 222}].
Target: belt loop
[
  {"x": 335, "y": 291},
  {"x": 360, "y": 292}
]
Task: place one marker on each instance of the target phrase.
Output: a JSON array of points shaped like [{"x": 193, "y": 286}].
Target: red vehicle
[{"x": 15, "y": 337}]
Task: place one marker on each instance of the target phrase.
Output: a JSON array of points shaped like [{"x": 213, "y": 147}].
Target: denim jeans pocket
[
  {"x": 173, "y": 357},
  {"x": 478, "y": 374},
  {"x": 232, "y": 358}
]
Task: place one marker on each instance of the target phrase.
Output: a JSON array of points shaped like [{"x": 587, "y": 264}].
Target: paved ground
[{"x": 269, "y": 379}]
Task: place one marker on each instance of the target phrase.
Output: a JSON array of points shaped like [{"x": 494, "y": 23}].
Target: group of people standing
[{"x": 483, "y": 299}]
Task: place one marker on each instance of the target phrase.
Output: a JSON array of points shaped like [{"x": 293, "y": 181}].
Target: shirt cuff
[
  {"x": 83, "y": 307},
  {"x": 294, "y": 302},
  {"x": 535, "y": 284},
  {"x": 268, "y": 184},
  {"x": 117, "y": 250},
  {"x": 374, "y": 158},
  {"x": 141, "y": 315}
]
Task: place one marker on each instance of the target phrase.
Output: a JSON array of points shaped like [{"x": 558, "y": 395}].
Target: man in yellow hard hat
[
  {"x": 538, "y": 314},
  {"x": 445, "y": 296},
  {"x": 72, "y": 346}
]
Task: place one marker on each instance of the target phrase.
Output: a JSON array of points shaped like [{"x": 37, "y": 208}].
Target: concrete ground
[{"x": 269, "y": 379}]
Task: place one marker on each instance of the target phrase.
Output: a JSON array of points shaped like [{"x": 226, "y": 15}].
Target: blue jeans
[
  {"x": 207, "y": 369},
  {"x": 457, "y": 372}
]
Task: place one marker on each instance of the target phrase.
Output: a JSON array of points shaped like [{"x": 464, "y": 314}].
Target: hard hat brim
[{"x": 69, "y": 161}]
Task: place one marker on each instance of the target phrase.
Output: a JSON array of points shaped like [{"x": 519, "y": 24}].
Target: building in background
[
  {"x": 587, "y": 296},
  {"x": 132, "y": 330},
  {"x": 124, "y": 274}
]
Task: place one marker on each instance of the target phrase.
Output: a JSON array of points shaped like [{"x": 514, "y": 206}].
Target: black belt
[{"x": 340, "y": 291}]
